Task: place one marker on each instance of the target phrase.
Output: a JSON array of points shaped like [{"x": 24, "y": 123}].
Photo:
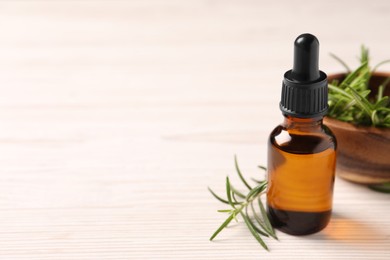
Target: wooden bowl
[{"x": 363, "y": 154}]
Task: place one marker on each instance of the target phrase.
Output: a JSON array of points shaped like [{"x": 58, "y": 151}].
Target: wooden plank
[{"x": 116, "y": 116}]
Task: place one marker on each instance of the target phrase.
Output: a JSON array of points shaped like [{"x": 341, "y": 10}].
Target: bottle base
[{"x": 298, "y": 223}]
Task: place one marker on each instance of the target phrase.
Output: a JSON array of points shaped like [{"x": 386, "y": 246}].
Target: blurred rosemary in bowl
[{"x": 350, "y": 99}]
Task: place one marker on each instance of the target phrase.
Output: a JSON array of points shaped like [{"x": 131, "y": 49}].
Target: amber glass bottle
[{"x": 302, "y": 151}]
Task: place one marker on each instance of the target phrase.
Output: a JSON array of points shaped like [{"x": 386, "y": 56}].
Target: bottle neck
[{"x": 303, "y": 124}]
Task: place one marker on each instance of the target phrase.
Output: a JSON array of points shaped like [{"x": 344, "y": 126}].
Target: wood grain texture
[{"x": 116, "y": 115}]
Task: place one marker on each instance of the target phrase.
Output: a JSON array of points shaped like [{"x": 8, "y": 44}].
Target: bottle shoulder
[{"x": 302, "y": 142}]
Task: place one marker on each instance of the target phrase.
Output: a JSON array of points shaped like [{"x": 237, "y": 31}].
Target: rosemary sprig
[
  {"x": 349, "y": 100},
  {"x": 261, "y": 225}
]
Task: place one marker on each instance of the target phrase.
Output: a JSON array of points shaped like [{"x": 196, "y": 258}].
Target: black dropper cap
[{"x": 305, "y": 87}]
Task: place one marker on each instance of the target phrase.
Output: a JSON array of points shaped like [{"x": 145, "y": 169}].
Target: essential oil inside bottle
[{"x": 302, "y": 151}]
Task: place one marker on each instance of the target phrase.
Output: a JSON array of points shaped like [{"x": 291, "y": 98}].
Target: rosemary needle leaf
[
  {"x": 234, "y": 198},
  {"x": 258, "y": 230},
  {"x": 257, "y": 181},
  {"x": 385, "y": 109},
  {"x": 339, "y": 91},
  {"x": 353, "y": 75},
  {"x": 364, "y": 54},
  {"x": 382, "y": 102},
  {"x": 341, "y": 62},
  {"x": 259, "y": 220},
  {"x": 262, "y": 167},
  {"x": 380, "y": 64},
  {"x": 253, "y": 231},
  {"x": 234, "y": 212},
  {"x": 365, "y": 106},
  {"x": 238, "y": 193},
  {"x": 224, "y": 224},
  {"x": 229, "y": 192},
  {"x": 381, "y": 89},
  {"x": 266, "y": 220},
  {"x": 374, "y": 118},
  {"x": 217, "y": 197},
  {"x": 385, "y": 82},
  {"x": 240, "y": 174},
  {"x": 225, "y": 210}
]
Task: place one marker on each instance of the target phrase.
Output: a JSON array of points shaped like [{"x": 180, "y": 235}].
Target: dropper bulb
[
  {"x": 305, "y": 87},
  {"x": 306, "y": 54}
]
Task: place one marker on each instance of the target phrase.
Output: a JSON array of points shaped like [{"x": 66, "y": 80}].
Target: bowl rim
[{"x": 332, "y": 122}]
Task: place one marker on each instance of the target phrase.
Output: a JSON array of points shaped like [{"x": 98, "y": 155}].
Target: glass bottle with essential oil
[{"x": 302, "y": 151}]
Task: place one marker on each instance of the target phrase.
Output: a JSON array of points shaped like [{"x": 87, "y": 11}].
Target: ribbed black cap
[{"x": 305, "y": 87}]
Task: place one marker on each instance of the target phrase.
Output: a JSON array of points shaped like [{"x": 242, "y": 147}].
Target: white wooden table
[{"x": 115, "y": 116}]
